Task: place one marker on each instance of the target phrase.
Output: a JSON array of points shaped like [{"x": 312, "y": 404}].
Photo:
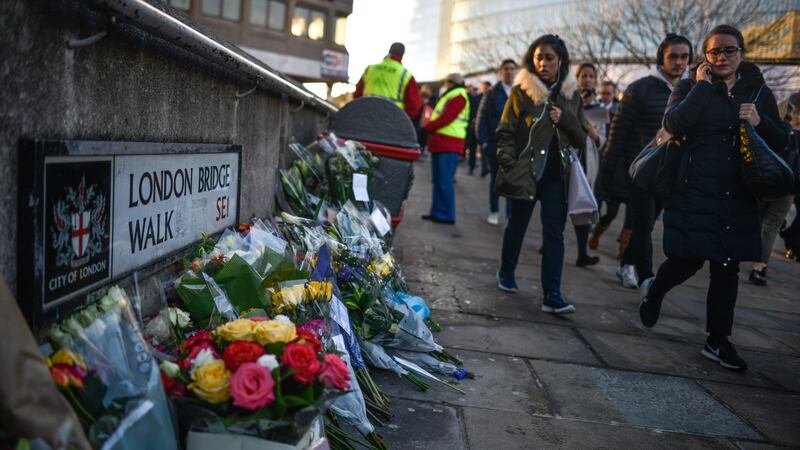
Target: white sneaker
[
  {"x": 627, "y": 274},
  {"x": 493, "y": 219}
]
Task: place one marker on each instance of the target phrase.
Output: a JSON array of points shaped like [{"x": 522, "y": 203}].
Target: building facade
[
  {"x": 301, "y": 38},
  {"x": 473, "y": 36}
]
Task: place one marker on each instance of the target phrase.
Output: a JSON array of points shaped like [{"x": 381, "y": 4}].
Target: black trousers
[
  {"x": 644, "y": 210},
  {"x": 471, "y": 148},
  {"x": 612, "y": 209},
  {"x": 722, "y": 291}
]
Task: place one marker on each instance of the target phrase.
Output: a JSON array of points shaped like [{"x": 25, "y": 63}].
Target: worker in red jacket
[
  {"x": 390, "y": 80},
  {"x": 447, "y": 131}
]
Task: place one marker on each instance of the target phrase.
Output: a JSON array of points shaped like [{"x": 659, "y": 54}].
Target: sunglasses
[{"x": 717, "y": 52}]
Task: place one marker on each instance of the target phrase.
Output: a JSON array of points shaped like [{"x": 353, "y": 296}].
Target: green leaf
[
  {"x": 195, "y": 296},
  {"x": 242, "y": 284},
  {"x": 293, "y": 401}
]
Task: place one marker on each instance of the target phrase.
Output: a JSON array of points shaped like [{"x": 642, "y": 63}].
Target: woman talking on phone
[
  {"x": 710, "y": 215},
  {"x": 542, "y": 118}
]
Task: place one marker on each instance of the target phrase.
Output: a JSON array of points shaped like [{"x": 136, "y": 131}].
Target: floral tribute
[{"x": 258, "y": 376}]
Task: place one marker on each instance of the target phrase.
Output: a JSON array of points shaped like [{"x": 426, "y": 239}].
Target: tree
[{"x": 629, "y": 31}]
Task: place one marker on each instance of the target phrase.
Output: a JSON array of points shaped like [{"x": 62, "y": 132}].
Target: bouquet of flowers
[
  {"x": 104, "y": 368},
  {"x": 254, "y": 376}
]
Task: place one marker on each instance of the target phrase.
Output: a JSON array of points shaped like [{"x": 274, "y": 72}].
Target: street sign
[{"x": 93, "y": 212}]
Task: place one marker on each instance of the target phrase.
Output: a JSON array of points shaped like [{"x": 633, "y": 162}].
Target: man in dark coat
[
  {"x": 471, "y": 141},
  {"x": 488, "y": 119},
  {"x": 711, "y": 214},
  {"x": 635, "y": 123}
]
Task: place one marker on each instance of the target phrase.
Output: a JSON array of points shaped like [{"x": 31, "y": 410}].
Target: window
[
  {"x": 341, "y": 28},
  {"x": 316, "y": 26},
  {"x": 181, "y": 4},
  {"x": 227, "y": 9},
  {"x": 309, "y": 23},
  {"x": 299, "y": 21},
  {"x": 268, "y": 13}
]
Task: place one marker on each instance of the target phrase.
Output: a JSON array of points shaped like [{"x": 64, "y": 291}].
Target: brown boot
[
  {"x": 594, "y": 239},
  {"x": 624, "y": 240}
]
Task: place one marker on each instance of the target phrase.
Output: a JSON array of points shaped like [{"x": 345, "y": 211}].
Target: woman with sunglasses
[{"x": 710, "y": 215}]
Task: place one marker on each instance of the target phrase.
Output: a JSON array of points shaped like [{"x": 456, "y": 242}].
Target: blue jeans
[
  {"x": 490, "y": 152},
  {"x": 550, "y": 192},
  {"x": 443, "y": 206}
]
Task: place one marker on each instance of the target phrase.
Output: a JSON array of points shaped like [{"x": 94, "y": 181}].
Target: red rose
[
  {"x": 334, "y": 373},
  {"x": 200, "y": 346},
  {"x": 303, "y": 360},
  {"x": 306, "y": 337},
  {"x": 172, "y": 387},
  {"x": 201, "y": 337},
  {"x": 240, "y": 352}
]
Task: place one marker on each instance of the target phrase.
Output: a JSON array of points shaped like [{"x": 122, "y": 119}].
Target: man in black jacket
[{"x": 635, "y": 123}]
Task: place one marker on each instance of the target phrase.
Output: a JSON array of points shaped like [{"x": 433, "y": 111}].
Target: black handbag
[
  {"x": 763, "y": 170},
  {"x": 655, "y": 168}
]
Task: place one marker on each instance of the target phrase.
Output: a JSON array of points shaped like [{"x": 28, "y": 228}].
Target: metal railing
[{"x": 151, "y": 19}]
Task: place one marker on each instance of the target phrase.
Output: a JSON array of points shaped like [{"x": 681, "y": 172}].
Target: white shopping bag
[{"x": 581, "y": 204}]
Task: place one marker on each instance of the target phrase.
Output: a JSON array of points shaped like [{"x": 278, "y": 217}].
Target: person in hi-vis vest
[
  {"x": 447, "y": 130},
  {"x": 389, "y": 79}
]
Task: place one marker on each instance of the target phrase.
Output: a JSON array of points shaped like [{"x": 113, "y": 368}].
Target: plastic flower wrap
[{"x": 104, "y": 367}]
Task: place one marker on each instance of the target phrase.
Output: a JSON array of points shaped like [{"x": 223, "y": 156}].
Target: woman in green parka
[{"x": 542, "y": 119}]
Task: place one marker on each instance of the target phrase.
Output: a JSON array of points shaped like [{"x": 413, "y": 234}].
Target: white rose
[
  {"x": 178, "y": 317},
  {"x": 170, "y": 368},
  {"x": 202, "y": 357},
  {"x": 268, "y": 361},
  {"x": 283, "y": 319}
]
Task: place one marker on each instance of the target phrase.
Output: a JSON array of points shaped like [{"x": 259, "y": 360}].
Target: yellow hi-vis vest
[
  {"x": 458, "y": 127},
  {"x": 387, "y": 79}
]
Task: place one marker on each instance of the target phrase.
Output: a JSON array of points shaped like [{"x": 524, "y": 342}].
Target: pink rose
[
  {"x": 334, "y": 372},
  {"x": 251, "y": 386}
]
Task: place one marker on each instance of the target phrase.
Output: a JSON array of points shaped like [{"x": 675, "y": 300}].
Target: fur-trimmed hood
[{"x": 537, "y": 91}]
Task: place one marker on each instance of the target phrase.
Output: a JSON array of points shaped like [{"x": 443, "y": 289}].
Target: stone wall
[{"x": 129, "y": 86}]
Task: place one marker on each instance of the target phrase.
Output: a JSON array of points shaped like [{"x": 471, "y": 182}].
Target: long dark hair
[{"x": 560, "y": 48}]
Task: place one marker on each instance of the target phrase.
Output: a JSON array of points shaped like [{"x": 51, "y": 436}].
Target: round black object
[{"x": 375, "y": 119}]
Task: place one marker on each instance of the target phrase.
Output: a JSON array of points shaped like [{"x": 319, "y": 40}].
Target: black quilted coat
[
  {"x": 710, "y": 213},
  {"x": 635, "y": 123}
]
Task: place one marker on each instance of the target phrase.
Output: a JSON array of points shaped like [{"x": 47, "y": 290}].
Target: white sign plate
[{"x": 163, "y": 202}]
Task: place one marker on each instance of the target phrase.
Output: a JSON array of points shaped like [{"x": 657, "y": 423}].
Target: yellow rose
[
  {"x": 272, "y": 331},
  {"x": 288, "y": 298},
  {"x": 211, "y": 382},
  {"x": 238, "y": 330},
  {"x": 67, "y": 357},
  {"x": 319, "y": 290}
]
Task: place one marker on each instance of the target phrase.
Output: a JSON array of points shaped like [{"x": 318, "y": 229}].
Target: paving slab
[
  {"x": 744, "y": 316},
  {"x": 650, "y": 354},
  {"x": 419, "y": 425},
  {"x": 774, "y": 413},
  {"x": 692, "y": 330},
  {"x": 517, "y": 392},
  {"x": 638, "y": 399},
  {"x": 781, "y": 369},
  {"x": 787, "y": 337},
  {"x": 524, "y": 307},
  {"x": 749, "y": 445},
  {"x": 514, "y": 431},
  {"x": 512, "y": 337}
]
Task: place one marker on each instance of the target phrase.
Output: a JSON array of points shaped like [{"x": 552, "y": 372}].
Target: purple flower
[
  {"x": 317, "y": 326},
  {"x": 344, "y": 274}
]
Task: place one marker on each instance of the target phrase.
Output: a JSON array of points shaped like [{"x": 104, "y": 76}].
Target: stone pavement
[{"x": 597, "y": 378}]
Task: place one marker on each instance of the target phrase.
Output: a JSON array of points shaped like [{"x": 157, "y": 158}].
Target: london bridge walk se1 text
[{"x": 161, "y": 186}]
